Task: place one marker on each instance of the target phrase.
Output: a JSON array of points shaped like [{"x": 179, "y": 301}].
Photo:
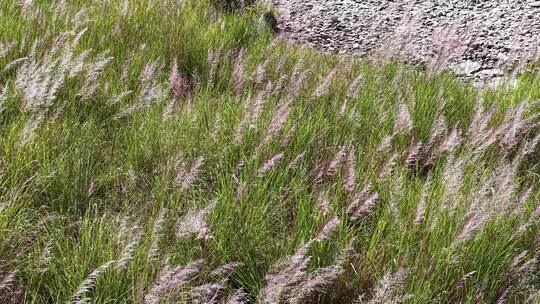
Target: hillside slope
[{"x": 176, "y": 152}]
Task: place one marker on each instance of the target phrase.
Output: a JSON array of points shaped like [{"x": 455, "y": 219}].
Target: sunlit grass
[{"x": 145, "y": 144}]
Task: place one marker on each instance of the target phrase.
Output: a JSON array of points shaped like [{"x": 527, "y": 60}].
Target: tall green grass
[{"x": 188, "y": 138}]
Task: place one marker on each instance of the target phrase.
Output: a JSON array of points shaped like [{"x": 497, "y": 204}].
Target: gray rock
[
  {"x": 468, "y": 33},
  {"x": 467, "y": 67},
  {"x": 492, "y": 73}
]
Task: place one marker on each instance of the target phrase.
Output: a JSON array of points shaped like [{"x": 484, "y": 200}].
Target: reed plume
[
  {"x": 157, "y": 233},
  {"x": 89, "y": 282},
  {"x": 170, "y": 281},
  {"x": 285, "y": 275},
  {"x": 194, "y": 223},
  {"x": 349, "y": 174},
  {"x": 324, "y": 86},
  {"x": 270, "y": 163}
]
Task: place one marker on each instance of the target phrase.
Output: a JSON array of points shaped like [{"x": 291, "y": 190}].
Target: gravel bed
[{"x": 481, "y": 39}]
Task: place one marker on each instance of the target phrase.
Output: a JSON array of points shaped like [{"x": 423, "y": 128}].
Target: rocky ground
[{"x": 481, "y": 39}]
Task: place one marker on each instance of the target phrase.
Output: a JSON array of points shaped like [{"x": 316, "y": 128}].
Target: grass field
[{"x": 175, "y": 152}]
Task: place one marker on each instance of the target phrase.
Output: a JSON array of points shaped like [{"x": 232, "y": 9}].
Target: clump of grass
[{"x": 174, "y": 151}]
